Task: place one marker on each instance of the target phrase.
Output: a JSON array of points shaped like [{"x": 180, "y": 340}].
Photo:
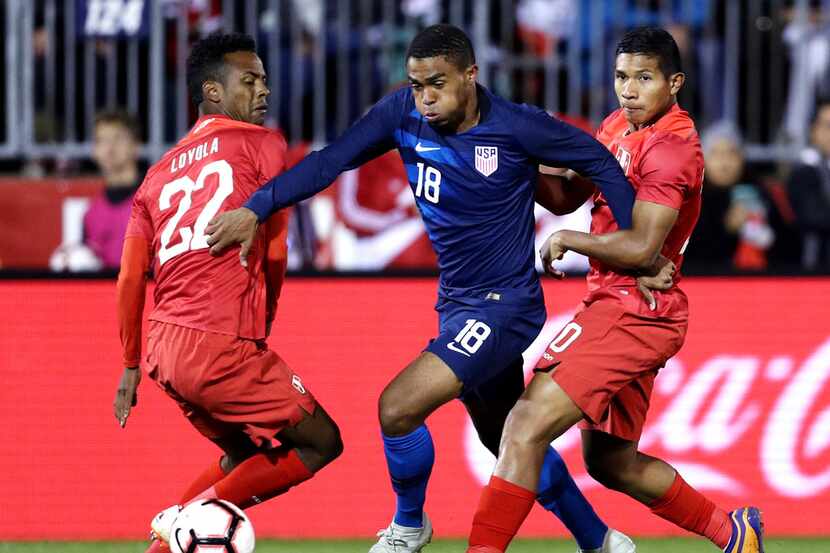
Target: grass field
[{"x": 445, "y": 546}]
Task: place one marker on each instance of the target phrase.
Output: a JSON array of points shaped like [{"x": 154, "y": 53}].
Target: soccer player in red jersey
[
  {"x": 206, "y": 339},
  {"x": 600, "y": 369}
]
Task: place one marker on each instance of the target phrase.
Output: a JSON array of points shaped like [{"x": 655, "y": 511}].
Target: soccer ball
[{"x": 212, "y": 526}]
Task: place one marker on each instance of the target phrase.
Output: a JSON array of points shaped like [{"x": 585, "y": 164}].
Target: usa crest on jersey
[{"x": 487, "y": 160}]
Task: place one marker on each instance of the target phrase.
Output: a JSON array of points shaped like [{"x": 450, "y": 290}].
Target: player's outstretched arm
[
  {"x": 637, "y": 248},
  {"x": 132, "y": 285},
  {"x": 562, "y": 192},
  {"x": 556, "y": 144},
  {"x": 369, "y": 137}
]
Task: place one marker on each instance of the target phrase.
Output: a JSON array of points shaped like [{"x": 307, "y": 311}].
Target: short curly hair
[
  {"x": 443, "y": 40},
  {"x": 207, "y": 57}
]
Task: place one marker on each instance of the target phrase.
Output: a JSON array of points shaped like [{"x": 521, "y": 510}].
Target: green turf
[{"x": 674, "y": 545}]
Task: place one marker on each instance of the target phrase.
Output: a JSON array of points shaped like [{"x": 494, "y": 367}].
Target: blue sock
[
  {"x": 559, "y": 494},
  {"x": 410, "y": 459}
]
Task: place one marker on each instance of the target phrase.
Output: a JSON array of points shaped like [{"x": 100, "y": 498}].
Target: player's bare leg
[
  {"x": 316, "y": 438},
  {"x": 617, "y": 464},
  {"x": 543, "y": 412},
  {"x": 558, "y": 493},
  {"x": 418, "y": 390}
]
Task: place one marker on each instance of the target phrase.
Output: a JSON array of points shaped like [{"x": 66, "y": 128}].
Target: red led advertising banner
[{"x": 743, "y": 411}]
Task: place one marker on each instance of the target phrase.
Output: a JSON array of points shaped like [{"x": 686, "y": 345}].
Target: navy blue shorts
[{"x": 479, "y": 339}]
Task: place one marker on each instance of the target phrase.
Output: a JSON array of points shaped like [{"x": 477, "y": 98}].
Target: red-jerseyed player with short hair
[
  {"x": 601, "y": 367},
  {"x": 206, "y": 340}
]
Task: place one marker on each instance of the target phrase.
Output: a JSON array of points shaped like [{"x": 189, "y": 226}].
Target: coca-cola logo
[{"x": 734, "y": 421}]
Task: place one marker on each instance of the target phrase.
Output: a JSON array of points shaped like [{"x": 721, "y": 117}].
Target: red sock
[
  {"x": 502, "y": 509},
  {"x": 211, "y": 475},
  {"x": 688, "y": 508},
  {"x": 261, "y": 477}
]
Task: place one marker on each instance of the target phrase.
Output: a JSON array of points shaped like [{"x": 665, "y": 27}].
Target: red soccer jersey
[
  {"x": 664, "y": 163},
  {"x": 213, "y": 169}
]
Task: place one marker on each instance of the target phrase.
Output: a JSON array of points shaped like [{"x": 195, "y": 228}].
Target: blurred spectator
[
  {"x": 733, "y": 229},
  {"x": 809, "y": 190},
  {"x": 115, "y": 150},
  {"x": 808, "y": 37}
]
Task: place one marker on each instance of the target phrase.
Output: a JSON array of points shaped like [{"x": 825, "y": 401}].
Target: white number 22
[{"x": 192, "y": 239}]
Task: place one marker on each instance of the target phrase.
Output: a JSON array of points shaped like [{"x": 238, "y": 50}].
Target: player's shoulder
[
  {"x": 675, "y": 128},
  {"x": 614, "y": 124},
  {"x": 512, "y": 111}
]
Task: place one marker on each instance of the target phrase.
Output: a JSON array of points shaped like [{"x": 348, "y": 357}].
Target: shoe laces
[{"x": 392, "y": 537}]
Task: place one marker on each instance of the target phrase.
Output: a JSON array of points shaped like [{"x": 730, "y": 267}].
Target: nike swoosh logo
[
  {"x": 421, "y": 149},
  {"x": 453, "y": 347}
]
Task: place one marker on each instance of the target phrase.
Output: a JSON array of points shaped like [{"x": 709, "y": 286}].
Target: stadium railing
[{"x": 327, "y": 61}]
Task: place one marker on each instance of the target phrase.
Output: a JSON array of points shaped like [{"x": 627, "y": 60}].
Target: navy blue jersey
[{"x": 475, "y": 190}]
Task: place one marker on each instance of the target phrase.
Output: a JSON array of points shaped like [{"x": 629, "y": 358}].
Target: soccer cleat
[
  {"x": 614, "y": 542},
  {"x": 402, "y": 539},
  {"x": 747, "y": 531},
  {"x": 162, "y": 524}
]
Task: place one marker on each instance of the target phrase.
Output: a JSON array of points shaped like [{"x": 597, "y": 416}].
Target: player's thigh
[
  {"x": 420, "y": 388},
  {"x": 489, "y": 404}
]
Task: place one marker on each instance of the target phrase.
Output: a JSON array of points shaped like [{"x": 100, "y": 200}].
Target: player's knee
[
  {"x": 396, "y": 418},
  {"x": 330, "y": 444},
  {"x": 607, "y": 472},
  {"x": 523, "y": 427}
]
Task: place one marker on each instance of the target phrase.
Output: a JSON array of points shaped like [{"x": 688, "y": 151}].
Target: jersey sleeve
[
  {"x": 666, "y": 172},
  {"x": 369, "y": 137},
  {"x": 552, "y": 142},
  {"x": 271, "y": 157},
  {"x": 132, "y": 283},
  {"x": 140, "y": 224}
]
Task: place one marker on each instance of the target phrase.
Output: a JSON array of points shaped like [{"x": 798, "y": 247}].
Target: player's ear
[
  {"x": 676, "y": 82},
  {"x": 212, "y": 91},
  {"x": 471, "y": 74}
]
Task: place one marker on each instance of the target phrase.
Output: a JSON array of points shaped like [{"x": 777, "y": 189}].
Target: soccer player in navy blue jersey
[{"x": 472, "y": 159}]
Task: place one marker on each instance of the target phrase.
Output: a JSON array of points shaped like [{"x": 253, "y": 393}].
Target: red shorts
[
  {"x": 606, "y": 360},
  {"x": 225, "y": 384}
]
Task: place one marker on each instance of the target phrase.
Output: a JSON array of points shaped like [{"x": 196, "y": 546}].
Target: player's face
[
  {"x": 244, "y": 93},
  {"x": 821, "y": 131},
  {"x": 114, "y": 149},
  {"x": 441, "y": 90},
  {"x": 643, "y": 90}
]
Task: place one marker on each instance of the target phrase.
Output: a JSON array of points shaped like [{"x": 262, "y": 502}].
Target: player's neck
[
  {"x": 208, "y": 109},
  {"x": 472, "y": 115}
]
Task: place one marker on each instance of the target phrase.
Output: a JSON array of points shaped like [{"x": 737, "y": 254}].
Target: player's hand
[
  {"x": 232, "y": 227},
  {"x": 553, "y": 250},
  {"x": 663, "y": 280},
  {"x": 126, "y": 397}
]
